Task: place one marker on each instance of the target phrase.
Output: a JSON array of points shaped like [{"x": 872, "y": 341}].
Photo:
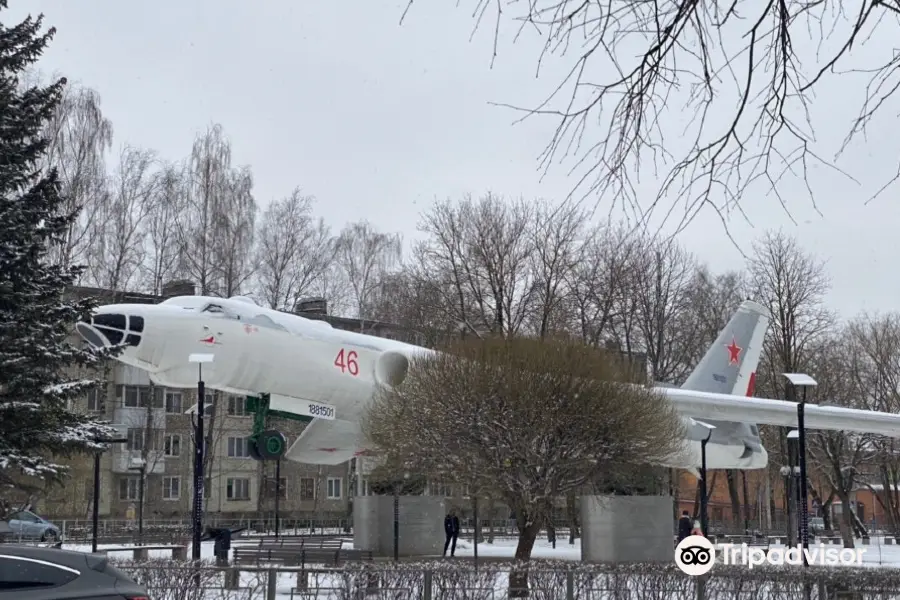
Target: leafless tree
[
  {"x": 601, "y": 283},
  {"x": 480, "y": 251},
  {"x": 556, "y": 234},
  {"x": 80, "y": 136},
  {"x": 332, "y": 285},
  {"x": 411, "y": 299},
  {"x": 293, "y": 249},
  {"x": 792, "y": 284},
  {"x": 366, "y": 256},
  {"x": 234, "y": 227},
  {"x": 160, "y": 228},
  {"x": 842, "y": 458},
  {"x": 735, "y": 80},
  {"x": 489, "y": 413},
  {"x": 210, "y": 181},
  {"x": 662, "y": 277},
  {"x": 116, "y": 242},
  {"x": 875, "y": 368}
]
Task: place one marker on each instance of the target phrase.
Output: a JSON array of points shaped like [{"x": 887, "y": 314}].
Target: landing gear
[
  {"x": 271, "y": 444},
  {"x": 265, "y": 444}
]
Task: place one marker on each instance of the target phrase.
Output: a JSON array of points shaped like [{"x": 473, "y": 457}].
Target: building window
[
  {"x": 173, "y": 444},
  {"x": 95, "y": 402},
  {"x": 237, "y": 489},
  {"x": 174, "y": 403},
  {"x": 237, "y": 406},
  {"x": 129, "y": 396},
  {"x": 140, "y": 396},
  {"x": 307, "y": 488},
  {"x": 282, "y": 488},
  {"x": 466, "y": 490},
  {"x": 238, "y": 447},
  {"x": 437, "y": 488},
  {"x": 135, "y": 439},
  {"x": 171, "y": 488},
  {"x": 335, "y": 485},
  {"x": 129, "y": 488}
]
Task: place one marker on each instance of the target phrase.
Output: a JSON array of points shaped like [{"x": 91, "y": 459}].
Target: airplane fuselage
[{"x": 306, "y": 366}]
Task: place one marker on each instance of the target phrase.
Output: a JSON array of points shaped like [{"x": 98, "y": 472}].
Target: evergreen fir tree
[{"x": 36, "y": 318}]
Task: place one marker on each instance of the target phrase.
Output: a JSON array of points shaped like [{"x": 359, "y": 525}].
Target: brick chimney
[
  {"x": 179, "y": 287},
  {"x": 318, "y": 306}
]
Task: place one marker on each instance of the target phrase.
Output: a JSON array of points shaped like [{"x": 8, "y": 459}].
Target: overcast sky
[{"x": 376, "y": 119}]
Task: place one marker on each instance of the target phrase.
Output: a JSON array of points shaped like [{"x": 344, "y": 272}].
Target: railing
[
  {"x": 167, "y": 580},
  {"x": 75, "y": 530}
]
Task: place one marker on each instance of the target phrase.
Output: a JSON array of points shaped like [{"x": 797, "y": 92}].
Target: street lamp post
[
  {"x": 140, "y": 465},
  {"x": 704, "y": 493},
  {"x": 197, "y": 516},
  {"x": 277, "y": 496},
  {"x": 119, "y": 437},
  {"x": 803, "y": 381}
]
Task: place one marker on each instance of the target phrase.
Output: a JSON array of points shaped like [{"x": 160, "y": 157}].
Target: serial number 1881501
[{"x": 317, "y": 410}]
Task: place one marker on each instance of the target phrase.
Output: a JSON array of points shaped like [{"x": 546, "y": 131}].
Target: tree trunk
[
  {"x": 846, "y": 523},
  {"x": 518, "y": 577},
  {"x": 573, "y": 519},
  {"x": 748, "y": 515},
  {"x": 731, "y": 476},
  {"x": 491, "y": 513},
  {"x": 711, "y": 475}
]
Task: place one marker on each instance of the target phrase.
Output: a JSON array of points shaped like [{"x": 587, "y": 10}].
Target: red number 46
[{"x": 347, "y": 362}]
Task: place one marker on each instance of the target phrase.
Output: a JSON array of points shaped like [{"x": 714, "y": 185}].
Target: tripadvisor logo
[{"x": 696, "y": 555}]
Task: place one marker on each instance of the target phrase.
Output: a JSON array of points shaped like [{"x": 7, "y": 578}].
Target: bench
[
  {"x": 179, "y": 552},
  {"x": 291, "y": 553},
  {"x": 305, "y": 541}
]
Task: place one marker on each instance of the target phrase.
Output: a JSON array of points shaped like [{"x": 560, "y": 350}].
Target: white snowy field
[{"x": 323, "y": 585}]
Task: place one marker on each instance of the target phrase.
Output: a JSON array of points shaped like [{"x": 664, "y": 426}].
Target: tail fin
[{"x": 729, "y": 366}]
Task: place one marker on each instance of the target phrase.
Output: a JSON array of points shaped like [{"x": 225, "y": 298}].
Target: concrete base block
[
  {"x": 421, "y": 525},
  {"x": 626, "y": 529}
]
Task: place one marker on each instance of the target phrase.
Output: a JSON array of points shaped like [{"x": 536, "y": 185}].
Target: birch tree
[
  {"x": 366, "y": 256},
  {"x": 292, "y": 252},
  {"x": 233, "y": 226},
  {"x": 209, "y": 179},
  {"x": 80, "y": 136},
  {"x": 116, "y": 249},
  {"x": 161, "y": 228}
]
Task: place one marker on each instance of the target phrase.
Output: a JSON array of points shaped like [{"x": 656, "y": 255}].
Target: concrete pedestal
[
  {"x": 617, "y": 529},
  {"x": 421, "y": 525}
]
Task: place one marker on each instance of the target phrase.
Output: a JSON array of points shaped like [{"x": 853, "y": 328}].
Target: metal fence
[{"x": 167, "y": 580}]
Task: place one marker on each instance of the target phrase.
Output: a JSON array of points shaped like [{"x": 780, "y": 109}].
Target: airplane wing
[
  {"x": 324, "y": 442},
  {"x": 706, "y": 406}
]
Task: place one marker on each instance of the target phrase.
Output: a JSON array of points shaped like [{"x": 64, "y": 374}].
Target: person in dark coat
[
  {"x": 451, "y": 529},
  {"x": 685, "y": 525}
]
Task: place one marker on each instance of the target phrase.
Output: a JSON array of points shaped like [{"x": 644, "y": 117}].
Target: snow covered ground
[{"x": 254, "y": 585}]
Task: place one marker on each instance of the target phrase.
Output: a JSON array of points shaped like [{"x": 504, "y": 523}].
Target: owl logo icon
[{"x": 695, "y": 555}]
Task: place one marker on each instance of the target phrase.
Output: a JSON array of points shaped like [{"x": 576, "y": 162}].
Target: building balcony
[{"x": 124, "y": 461}]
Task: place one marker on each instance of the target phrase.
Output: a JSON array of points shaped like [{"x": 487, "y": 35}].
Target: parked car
[
  {"x": 33, "y": 573},
  {"x": 816, "y": 526},
  {"x": 25, "y": 523}
]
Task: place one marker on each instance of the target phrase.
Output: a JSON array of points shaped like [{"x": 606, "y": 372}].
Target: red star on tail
[{"x": 734, "y": 352}]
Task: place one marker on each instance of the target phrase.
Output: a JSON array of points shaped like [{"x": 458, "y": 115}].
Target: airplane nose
[{"x": 107, "y": 328}]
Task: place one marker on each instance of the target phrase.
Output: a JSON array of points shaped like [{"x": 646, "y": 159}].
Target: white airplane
[{"x": 310, "y": 369}]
